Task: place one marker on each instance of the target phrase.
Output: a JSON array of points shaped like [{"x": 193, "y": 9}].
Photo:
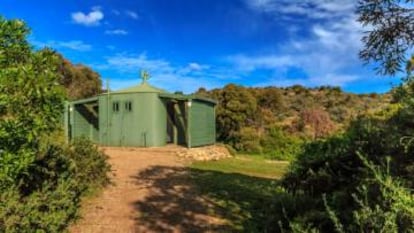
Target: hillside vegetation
[{"x": 277, "y": 121}]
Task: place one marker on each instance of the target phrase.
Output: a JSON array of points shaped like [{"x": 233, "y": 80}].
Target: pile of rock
[{"x": 205, "y": 153}]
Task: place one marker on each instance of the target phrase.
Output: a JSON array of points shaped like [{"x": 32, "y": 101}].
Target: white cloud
[
  {"x": 132, "y": 14},
  {"x": 251, "y": 63},
  {"x": 316, "y": 9},
  {"x": 128, "y": 63},
  {"x": 194, "y": 66},
  {"x": 328, "y": 55},
  {"x": 92, "y": 18},
  {"x": 77, "y": 45},
  {"x": 117, "y": 32},
  {"x": 187, "y": 78}
]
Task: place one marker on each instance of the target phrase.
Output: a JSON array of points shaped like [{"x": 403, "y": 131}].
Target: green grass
[
  {"x": 244, "y": 189},
  {"x": 255, "y": 166}
]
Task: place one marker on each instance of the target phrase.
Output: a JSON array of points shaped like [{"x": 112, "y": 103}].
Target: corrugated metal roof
[{"x": 144, "y": 87}]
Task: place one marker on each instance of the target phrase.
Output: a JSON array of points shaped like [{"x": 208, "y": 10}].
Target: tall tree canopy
[
  {"x": 79, "y": 80},
  {"x": 390, "y": 35}
]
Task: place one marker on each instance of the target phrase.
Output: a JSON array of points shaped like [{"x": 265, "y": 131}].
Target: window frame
[
  {"x": 128, "y": 106},
  {"x": 115, "y": 107}
]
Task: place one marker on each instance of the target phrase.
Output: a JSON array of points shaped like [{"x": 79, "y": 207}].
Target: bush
[
  {"x": 41, "y": 179},
  {"x": 49, "y": 209},
  {"x": 47, "y": 196},
  {"x": 278, "y": 145},
  {"x": 248, "y": 140},
  {"x": 91, "y": 165},
  {"x": 362, "y": 194}
]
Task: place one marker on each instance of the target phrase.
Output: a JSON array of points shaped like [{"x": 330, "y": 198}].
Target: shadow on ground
[{"x": 193, "y": 200}]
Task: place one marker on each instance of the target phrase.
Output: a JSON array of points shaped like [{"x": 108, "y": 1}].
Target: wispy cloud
[
  {"x": 328, "y": 54},
  {"x": 92, "y": 18},
  {"x": 194, "y": 66},
  {"x": 77, "y": 45},
  {"x": 132, "y": 14},
  {"x": 187, "y": 78},
  {"x": 269, "y": 62},
  {"x": 120, "y": 32},
  {"x": 126, "y": 13},
  {"x": 130, "y": 63},
  {"x": 111, "y": 47},
  {"x": 116, "y": 12},
  {"x": 315, "y": 9}
]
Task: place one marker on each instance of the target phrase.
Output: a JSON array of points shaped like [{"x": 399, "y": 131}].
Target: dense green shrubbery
[
  {"x": 91, "y": 165},
  {"x": 247, "y": 118},
  {"x": 274, "y": 143},
  {"x": 47, "y": 196},
  {"x": 279, "y": 145},
  {"x": 359, "y": 181},
  {"x": 41, "y": 177}
]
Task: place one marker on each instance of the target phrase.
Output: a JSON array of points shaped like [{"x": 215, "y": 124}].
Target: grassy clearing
[
  {"x": 243, "y": 189},
  {"x": 255, "y": 166}
]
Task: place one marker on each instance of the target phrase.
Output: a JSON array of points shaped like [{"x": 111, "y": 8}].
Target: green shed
[{"x": 143, "y": 116}]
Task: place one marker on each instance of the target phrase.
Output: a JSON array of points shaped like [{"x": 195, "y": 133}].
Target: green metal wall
[
  {"x": 83, "y": 124},
  {"x": 202, "y": 123},
  {"x": 144, "y": 126}
]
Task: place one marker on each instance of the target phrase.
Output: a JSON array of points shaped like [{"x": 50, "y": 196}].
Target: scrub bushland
[{"x": 42, "y": 178}]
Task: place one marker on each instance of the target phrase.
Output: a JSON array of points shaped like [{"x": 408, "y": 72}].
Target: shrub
[
  {"x": 91, "y": 165},
  {"x": 278, "y": 145},
  {"x": 41, "y": 179},
  {"x": 248, "y": 140},
  {"x": 359, "y": 193},
  {"x": 47, "y": 196}
]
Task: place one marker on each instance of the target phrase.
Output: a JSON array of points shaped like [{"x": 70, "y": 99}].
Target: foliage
[
  {"x": 248, "y": 140},
  {"x": 276, "y": 121},
  {"x": 390, "y": 33},
  {"x": 362, "y": 180},
  {"x": 277, "y": 144},
  {"x": 395, "y": 211},
  {"x": 41, "y": 178},
  {"x": 355, "y": 187},
  {"x": 79, "y": 80},
  {"x": 317, "y": 121},
  {"x": 91, "y": 165},
  {"x": 47, "y": 197},
  {"x": 236, "y": 110}
]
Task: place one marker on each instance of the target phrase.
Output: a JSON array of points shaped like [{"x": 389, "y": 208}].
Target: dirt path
[{"x": 152, "y": 192}]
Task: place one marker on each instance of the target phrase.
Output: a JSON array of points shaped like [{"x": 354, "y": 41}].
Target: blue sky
[{"x": 187, "y": 44}]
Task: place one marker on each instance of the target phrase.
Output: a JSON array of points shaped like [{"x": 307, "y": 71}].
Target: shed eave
[
  {"x": 83, "y": 101},
  {"x": 187, "y": 97}
]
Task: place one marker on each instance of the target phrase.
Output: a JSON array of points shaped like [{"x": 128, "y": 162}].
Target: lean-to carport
[
  {"x": 191, "y": 119},
  {"x": 82, "y": 119}
]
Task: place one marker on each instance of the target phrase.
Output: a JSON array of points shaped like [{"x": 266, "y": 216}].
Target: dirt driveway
[{"x": 152, "y": 192}]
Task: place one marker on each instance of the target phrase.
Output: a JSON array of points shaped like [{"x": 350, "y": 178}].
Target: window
[
  {"x": 128, "y": 106},
  {"x": 115, "y": 107}
]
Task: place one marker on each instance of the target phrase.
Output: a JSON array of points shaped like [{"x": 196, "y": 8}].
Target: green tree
[
  {"x": 79, "y": 80},
  {"x": 41, "y": 178},
  {"x": 236, "y": 109},
  {"x": 14, "y": 47},
  {"x": 390, "y": 33},
  {"x": 31, "y": 99}
]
